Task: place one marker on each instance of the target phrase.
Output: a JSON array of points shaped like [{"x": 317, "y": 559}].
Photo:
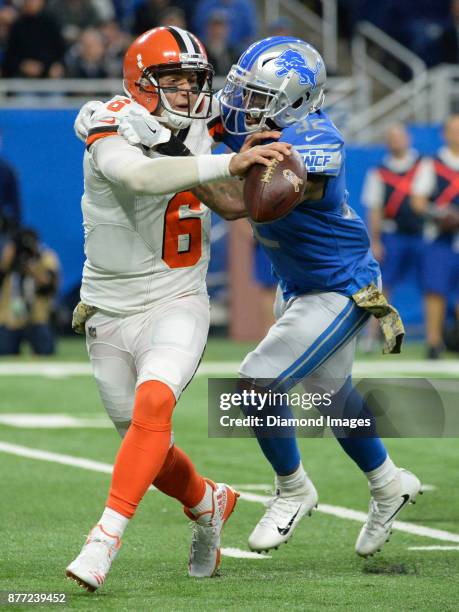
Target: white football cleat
[
  {"x": 91, "y": 566},
  {"x": 280, "y": 519},
  {"x": 204, "y": 559},
  {"x": 385, "y": 504}
]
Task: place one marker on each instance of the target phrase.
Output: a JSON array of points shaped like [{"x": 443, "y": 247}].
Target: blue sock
[
  {"x": 367, "y": 452},
  {"x": 281, "y": 451}
]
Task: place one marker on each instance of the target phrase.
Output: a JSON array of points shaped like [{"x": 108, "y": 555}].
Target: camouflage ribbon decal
[
  {"x": 81, "y": 314},
  {"x": 371, "y": 299}
]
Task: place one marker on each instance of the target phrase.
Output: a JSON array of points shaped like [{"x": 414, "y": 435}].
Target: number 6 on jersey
[{"x": 182, "y": 237}]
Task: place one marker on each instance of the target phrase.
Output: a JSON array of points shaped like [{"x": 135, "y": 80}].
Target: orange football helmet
[{"x": 163, "y": 51}]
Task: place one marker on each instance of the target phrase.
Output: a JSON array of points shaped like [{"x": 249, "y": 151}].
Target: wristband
[{"x": 214, "y": 167}]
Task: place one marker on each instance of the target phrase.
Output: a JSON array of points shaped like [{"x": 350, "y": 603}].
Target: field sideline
[{"x": 48, "y": 503}]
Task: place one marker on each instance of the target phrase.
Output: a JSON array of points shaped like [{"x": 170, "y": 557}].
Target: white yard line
[
  {"x": 35, "y": 453},
  {"x": 391, "y": 367},
  {"x": 55, "y": 369},
  {"x": 254, "y": 487},
  {"x": 340, "y": 512},
  {"x": 53, "y": 421},
  {"x": 433, "y": 548},
  {"x": 356, "y": 515},
  {"x": 419, "y": 530}
]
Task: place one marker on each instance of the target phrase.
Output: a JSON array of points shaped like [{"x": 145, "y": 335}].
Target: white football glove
[
  {"x": 83, "y": 121},
  {"x": 142, "y": 128}
]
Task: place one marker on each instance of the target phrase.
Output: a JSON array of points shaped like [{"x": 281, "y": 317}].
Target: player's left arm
[{"x": 223, "y": 197}]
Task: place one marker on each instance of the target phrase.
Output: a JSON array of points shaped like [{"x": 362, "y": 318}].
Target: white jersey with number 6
[{"x": 140, "y": 249}]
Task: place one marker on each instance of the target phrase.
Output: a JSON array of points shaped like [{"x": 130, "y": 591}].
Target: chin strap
[{"x": 172, "y": 121}]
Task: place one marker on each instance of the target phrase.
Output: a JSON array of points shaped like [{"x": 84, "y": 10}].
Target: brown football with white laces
[{"x": 271, "y": 192}]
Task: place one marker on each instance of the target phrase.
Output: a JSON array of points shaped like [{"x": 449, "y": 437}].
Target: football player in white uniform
[
  {"x": 144, "y": 304},
  {"x": 320, "y": 253}
]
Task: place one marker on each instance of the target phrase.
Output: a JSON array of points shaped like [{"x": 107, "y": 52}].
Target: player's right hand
[
  {"x": 258, "y": 137},
  {"x": 259, "y": 154},
  {"x": 83, "y": 121}
]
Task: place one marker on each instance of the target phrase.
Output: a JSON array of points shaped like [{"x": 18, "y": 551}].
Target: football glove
[
  {"x": 142, "y": 128},
  {"x": 83, "y": 121}
]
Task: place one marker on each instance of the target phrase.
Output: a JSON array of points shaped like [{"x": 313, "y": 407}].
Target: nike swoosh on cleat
[
  {"x": 406, "y": 498},
  {"x": 283, "y": 531}
]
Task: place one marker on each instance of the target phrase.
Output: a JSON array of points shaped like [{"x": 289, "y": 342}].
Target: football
[{"x": 271, "y": 192}]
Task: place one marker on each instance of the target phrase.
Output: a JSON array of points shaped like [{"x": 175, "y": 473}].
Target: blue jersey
[{"x": 322, "y": 245}]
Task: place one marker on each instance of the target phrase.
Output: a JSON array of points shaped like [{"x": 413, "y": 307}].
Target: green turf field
[{"x": 46, "y": 508}]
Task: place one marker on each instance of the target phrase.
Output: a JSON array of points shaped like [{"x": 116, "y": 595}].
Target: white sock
[
  {"x": 113, "y": 523},
  {"x": 382, "y": 475},
  {"x": 292, "y": 483},
  {"x": 206, "y": 502}
]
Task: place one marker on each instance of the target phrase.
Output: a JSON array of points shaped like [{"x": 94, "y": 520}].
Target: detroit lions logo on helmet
[{"x": 293, "y": 60}]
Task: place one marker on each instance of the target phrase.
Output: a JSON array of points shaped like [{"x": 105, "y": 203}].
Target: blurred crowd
[
  {"x": 88, "y": 38},
  {"x": 429, "y": 28},
  {"x": 413, "y": 218}
]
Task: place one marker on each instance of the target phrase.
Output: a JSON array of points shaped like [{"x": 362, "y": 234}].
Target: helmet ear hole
[{"x": 299, "y": 102}]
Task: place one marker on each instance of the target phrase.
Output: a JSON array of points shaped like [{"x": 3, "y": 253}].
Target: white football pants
[{"x": 165, "y": 343}]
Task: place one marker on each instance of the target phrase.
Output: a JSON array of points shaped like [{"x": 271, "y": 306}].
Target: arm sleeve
[
  {"x": 424, "y": 180},
  {"x": 125, "y": 165},
  {"x": 373, "y": 191}
]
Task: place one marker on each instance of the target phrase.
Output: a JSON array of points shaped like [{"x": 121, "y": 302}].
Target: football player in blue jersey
[{"x": 320, "y": 253}]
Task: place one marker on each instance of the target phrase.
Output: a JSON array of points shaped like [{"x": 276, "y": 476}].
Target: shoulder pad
[
  {"x": 105, "y": 121},
  {"x": 112, "y": 111},
  {"x": 319, "y": 143}
]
